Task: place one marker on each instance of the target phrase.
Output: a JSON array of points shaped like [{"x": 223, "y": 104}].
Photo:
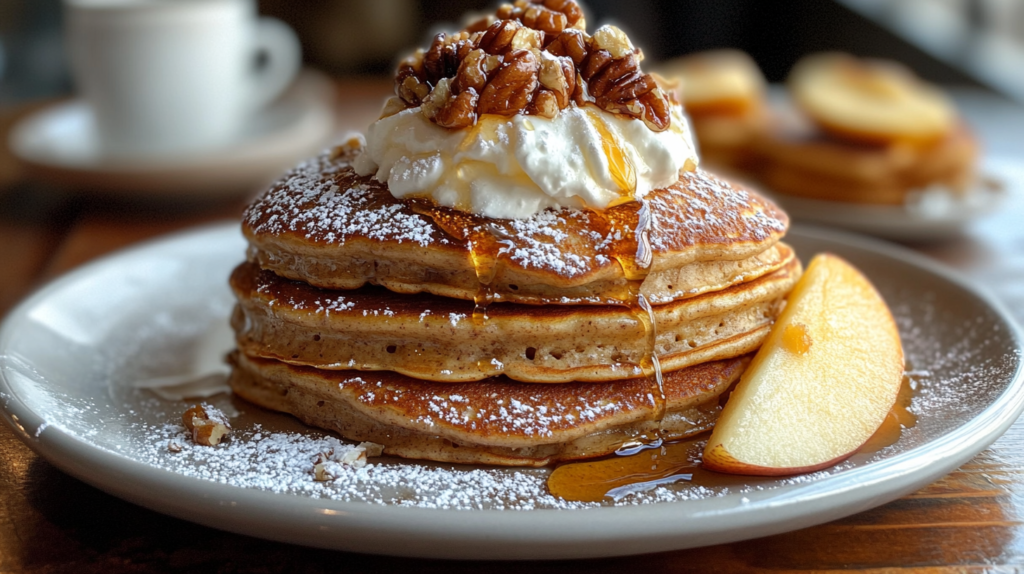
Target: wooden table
[{"x": 971, "y": 520}]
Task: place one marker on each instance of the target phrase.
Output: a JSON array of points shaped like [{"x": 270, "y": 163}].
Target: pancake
[
  {"x": 723, "y": 91},
  {"x": 797, "y": 160},
  {"x": 725, "y": 140},
  {"x": 437, "y": 338},
  {"x": 326, "y": 226},
  {"x": 497, "y": 421}
]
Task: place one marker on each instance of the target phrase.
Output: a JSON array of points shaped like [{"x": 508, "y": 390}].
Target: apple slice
[
  {"x": 872, "y": 101},
  {"x": 822, "y": 383}
]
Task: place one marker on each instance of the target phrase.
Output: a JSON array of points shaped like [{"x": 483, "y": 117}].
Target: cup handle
[{"x": 278, "y": 42}]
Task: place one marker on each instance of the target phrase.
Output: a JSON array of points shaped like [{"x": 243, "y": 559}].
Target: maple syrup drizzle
[
  {"x": 899, "y": 419},
  {"x": 635, "y": 261},
  {"x": 634, "y": 446},
  {"x": 637, "y": 467},
  {"x": 619, "y": 166},
  {"x": 636, "y": 270},
  {"x": 487, "y": 243},
  {"x": 616, "y": 476}
]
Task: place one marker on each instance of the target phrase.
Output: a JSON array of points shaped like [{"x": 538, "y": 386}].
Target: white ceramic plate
[
  {"x": 59, "y": 144},
  {"x": 73, "y": 354},
  {"x": 927, "y": 216}
]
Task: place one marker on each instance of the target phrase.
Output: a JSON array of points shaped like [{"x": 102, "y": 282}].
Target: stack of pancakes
[
  {"x": 821, "y": 150},
  {"x": 798, "y": 159},
  {"x": 723, "y": 92},
  {"x": 448, "y": 336}
]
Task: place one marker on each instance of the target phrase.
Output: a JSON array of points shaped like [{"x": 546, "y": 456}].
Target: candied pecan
[
  {"x": 433, "y": 60},
  {"x": 456, "y": 51},
  {"x": 506, "y": 12},
  {"x": 651, "y": 108},
  {"x": 569, "y": 72},
  {"x": 618, "y": 85},
  {"x": 534, "y": 58},
  {"x": 545, "y": 103},
  {"x": 526, "y": 39},
  {"x": 602, "y": 81},
  {"x": 630, "y": 87},
  {"x": 474, "y": 70},
  {"x": 613, "y": 40},
  {"x": 408, "y": 84},
  {"x": 498, "y": 36},
  {"x": 445, "y": 54},
  {"x": 437, "y": 99},
  {"x": 545, "y": 20},
  {"x": 656, "y": 112},
  {"x": 459, "y": 112},
  {"x": 206, "y": 424},
  {"x": 580, "y": 94},
  {"x": 548, "y": 16},
  {"x": 573, "y": 12},
  {"x": 595, "y": 61},
  {"x": 571, "y": 43},
  {"x": 558, "y": 75},
  {"x": 621, "y": 80},
  {"x": 512, "y": 87}
]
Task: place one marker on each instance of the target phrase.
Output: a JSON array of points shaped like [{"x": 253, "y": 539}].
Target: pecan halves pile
[
  {"x": 609, "y": 70},
  {"x": 533, "y": 57}
]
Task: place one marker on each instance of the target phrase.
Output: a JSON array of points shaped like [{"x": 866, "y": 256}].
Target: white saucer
[
  {"x": 928, "y": 215},
  {"x": 59, "y": 145}
]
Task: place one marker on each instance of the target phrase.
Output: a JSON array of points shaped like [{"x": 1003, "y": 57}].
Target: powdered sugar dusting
[
  {"x": 283, "y": 462},
  {"x": 514, "y": 410},
  {"x": 322, "y": 200},
  {"x": 713, "y": 212},
  {"x": 543, "y": 243}
]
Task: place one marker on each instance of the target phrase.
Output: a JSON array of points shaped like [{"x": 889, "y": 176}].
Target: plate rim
[
  {"x": 892, "y": 222},
  {"x": 539, "y": 533}
]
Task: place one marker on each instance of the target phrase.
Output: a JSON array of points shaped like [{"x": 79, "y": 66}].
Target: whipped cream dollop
[{"x": 513, "y": 167}]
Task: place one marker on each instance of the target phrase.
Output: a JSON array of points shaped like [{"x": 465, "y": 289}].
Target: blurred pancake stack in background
[{"x": 853, "y": 130}]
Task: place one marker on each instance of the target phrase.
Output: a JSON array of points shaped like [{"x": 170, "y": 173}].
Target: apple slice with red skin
[{"x": 820, "y": 386}]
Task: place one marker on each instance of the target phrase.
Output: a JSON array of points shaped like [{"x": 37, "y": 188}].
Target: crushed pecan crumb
[
  {"x": 329, "y": 465},
  {"x": 207, "y": 424},
  {"x": 532, "y": 57}
]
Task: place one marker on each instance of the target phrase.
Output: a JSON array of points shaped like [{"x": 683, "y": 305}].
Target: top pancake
[{"x": 326, "y": 226}]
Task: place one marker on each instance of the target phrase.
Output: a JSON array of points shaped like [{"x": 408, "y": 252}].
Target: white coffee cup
[{"x": 176, "y": 77}]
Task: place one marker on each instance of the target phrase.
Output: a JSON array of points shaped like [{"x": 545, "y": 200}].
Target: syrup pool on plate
[{"x": 649, "y": 466}]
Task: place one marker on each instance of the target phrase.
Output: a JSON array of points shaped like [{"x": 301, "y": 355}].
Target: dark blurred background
[{"x": 973, "y": 42}]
